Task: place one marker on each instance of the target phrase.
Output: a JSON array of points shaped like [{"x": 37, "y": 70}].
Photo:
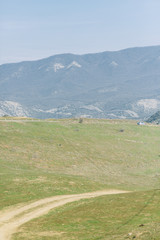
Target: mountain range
[{"x": 118, "y": 84}]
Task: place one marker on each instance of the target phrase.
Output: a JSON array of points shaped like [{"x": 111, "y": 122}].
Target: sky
[{"x": 35, "y": 29}]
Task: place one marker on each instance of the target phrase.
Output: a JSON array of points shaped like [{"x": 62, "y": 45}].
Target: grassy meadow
[{"x": 53, "y": 157}]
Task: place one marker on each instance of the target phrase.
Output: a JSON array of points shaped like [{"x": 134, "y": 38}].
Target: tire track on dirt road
[{"x": 12, "y": 218}]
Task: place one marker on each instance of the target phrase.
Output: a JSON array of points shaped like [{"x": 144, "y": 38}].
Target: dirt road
[{"x": 15, "y": 216}]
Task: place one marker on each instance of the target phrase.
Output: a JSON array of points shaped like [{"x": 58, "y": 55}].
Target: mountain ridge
[
  {"x": 111, "y": 84},
  {"x": 83, "y": 54}
]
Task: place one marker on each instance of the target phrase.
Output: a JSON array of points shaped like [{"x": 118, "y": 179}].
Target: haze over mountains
[{"x": 120, "y": 84}]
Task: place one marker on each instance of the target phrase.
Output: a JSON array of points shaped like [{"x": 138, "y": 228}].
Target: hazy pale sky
[{"x": 34, "y": 29}]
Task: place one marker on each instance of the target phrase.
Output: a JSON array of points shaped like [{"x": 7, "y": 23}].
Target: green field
[{"x": 54, "y": 157}]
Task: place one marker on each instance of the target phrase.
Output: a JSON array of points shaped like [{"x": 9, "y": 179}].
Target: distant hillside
[
  {"x": 120, "y": 84},
  {"x": 155, "y": 118}
]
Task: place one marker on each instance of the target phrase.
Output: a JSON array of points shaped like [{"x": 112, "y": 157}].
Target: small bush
[
  {"x": 80, "y": 120},
  {"x": 121, "y": 130}
]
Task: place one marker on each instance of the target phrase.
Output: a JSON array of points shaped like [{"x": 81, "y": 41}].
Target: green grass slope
[{"x": 46, "y": 158}]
